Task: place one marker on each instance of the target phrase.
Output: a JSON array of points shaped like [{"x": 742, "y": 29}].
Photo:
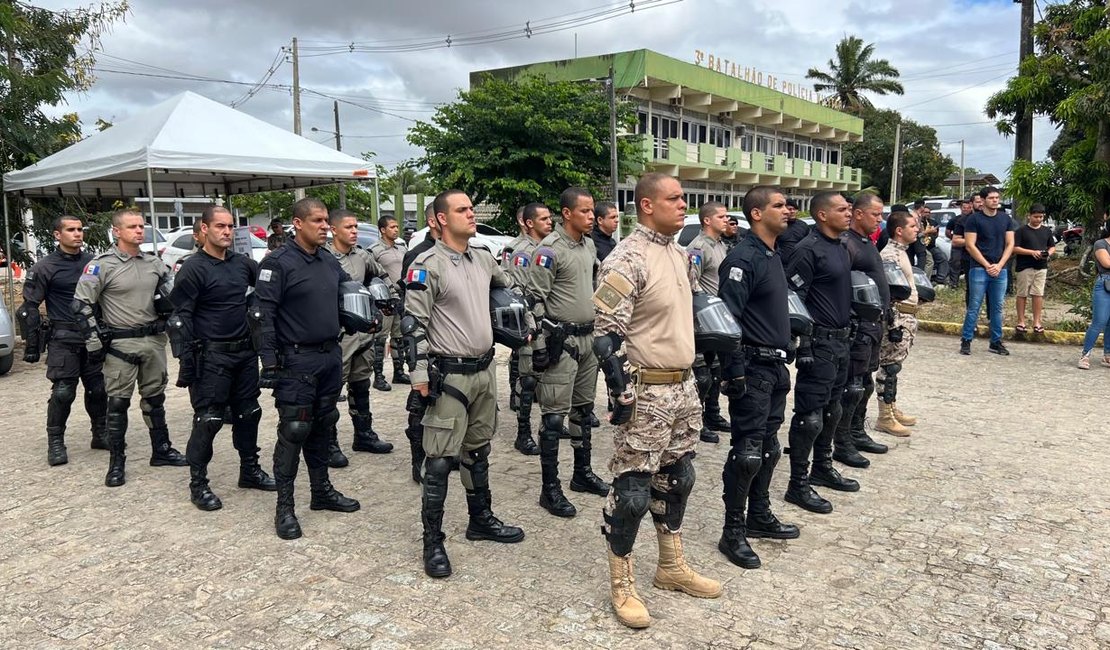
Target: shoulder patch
[
  {"x": 265, "y": 275},
  {"x": 416, "y": 279},
  {"x": 736, "y": 274},
  {"x": 521, "y": 260},
  {"x": 506, "y": 254},
  {"x": 92, "y": 268},
  {"x": 611, "y": 291},
  {"x": 545, "y": 257},
  {"x": 695, "y": 255}
]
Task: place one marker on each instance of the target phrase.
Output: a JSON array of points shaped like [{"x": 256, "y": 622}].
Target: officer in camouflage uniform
[
  {"x": 899, "y": 338},
  {"x": 706, "y": 252},
  {"x": 389, "y": 252},
  {"x": 451, "y": 346},
  {"x": 560, "y": 286},
  {"x": 644, "y": 300},
  {"x": 516, "y": 260},
  {"x": 359, "y": 356},
  {"x": 130, "y": 287},
  {"x": 52, "y": 280}
]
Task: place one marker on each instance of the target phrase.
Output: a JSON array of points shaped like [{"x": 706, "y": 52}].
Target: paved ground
[{"x": 987, "y": 529}]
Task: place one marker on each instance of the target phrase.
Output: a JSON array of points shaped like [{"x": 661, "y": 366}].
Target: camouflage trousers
[{"x": 891, "y": 352}]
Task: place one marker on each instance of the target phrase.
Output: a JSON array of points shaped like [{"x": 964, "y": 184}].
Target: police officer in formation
[
  {"x": 415, "y": 404},
  {"x": 209, "y": 336},
  {"x": 644, "y": 342},
  {"x": 517, "y": 261},
  {"x": 606, "y": 221},
  {"x": 447, "y": 300},
  {"x": 850, "y": 437},
  {"x": 706, "y": 252},
  {"x": 360, "y": 358},
  {"x": 299, "y": 288},
  {"x": 53, "y": 280},
  {"x": 514, "y": 358},
  {"x": 819, "y": 271},
  {"x": 756, "y": 382},
  {"x": 796, "y": 231},
  {"x": 389, "y": 251},
  {"x": 130, "y": 289},
  {"x": 560, "y": 286},
  {"x": 903, "y": 327}
]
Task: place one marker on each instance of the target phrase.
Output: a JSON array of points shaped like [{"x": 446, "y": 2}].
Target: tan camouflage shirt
[{"x": 644, "y": 295}]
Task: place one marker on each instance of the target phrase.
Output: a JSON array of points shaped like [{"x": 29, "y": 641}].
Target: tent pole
[
  {"x": 8, "y": 250},
  {"x": 150, "y": 199}
]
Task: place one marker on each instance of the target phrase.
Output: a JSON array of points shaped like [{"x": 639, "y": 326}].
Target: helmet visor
[{"x": 716, "y": 318}]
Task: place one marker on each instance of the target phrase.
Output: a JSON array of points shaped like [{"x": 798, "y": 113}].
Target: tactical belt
[
  {"x": 307, "y": 348},
  {"x": 463, "y": 365},
  {"x": 577, "y": 329},
  {"x": 62, "y": 325},
  {"x": 150, "y": 329},
  {"x": 133, "y": 359},
  {"x": 763, "y": 354},
  {"x": 661, "y": 376},
  {"x": 828, "y": 333},
  {"x": 227, "y": 346},
  {"x": 907, "y": 309}
]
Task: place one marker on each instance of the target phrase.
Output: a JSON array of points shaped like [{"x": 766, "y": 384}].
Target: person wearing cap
[
  {"x": 277, "y": 235},
  {"x": 796, "y": 231}
]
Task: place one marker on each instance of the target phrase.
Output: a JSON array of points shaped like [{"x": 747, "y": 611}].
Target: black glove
[
  {"x": 415, "y": 402},
  {"x": 97, "y": 353},
  {"x": 804, "y": 360},
  {"x": 31, "y": 355},
  {"x": 735, "y": 387},
  {"x": 622, "y": 412},
  {"x": 268, "y": 378},
  {"x": 540, "y": 359},
  {"x": 894, "y": 334}
]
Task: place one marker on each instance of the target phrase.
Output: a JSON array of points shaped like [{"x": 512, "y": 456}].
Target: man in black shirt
[
  {"x": 298, "y": 294},
  {"x": 606, "y": 220},
  {"x": 989, "y": 240},
  {"x": 957, "y": 264},
  {"x": 820, "y": 272},
  {"x": 850, "y": 436},
  {"x": 1033, "y": 245},
  {"x": 753, "y": 286},
  {"x": 52, "y": 280},
  {"x": 209, "y": 335},
  {"x": 796, "y": 231}
]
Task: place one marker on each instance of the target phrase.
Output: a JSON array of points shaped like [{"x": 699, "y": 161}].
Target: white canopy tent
[{"x": 188, "y": 145}]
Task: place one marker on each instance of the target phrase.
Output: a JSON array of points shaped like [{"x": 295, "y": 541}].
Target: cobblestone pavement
[{"x": 986, "y": 529}]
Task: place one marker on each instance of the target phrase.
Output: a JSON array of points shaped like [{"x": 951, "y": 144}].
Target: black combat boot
[
  {"x": 379, "y": 367},
  {"x": 96, "y": 405},
  {"x": 366, "y": 439},
  {"x": 483, "y": 524},
  {"x": 798, "y": 490},
  {"x": 844, "y": 450},
  {"x": 823, "y": 474},
  {"x": 56, "y": 446},
  {"x": 116, "y": 426},
  {"x": 552, "y": 498},
  {"x": 524, "y": 443},
  {"x": 399, "y": 374},
  {"x": 253, "y": 477},
  {"x": 584, "y": 479},
  {"x": 741, "y": 467},
  {"x": 709, "y": 436},
  {"x": 336, "y": 458},
  {"x": 285, "y": 519},
  {"x": 761, "y": 521},
  {"x": 436, "y": 562},
  {"x": 514, "y": 377},
  {"x": 162, "y": 452},
  {"x": 99, "y": 438},
  {"x": 863, "y": 441},
  {"x": 199, "y": 492},
  {"x": 325, "y": 496},
  {"x": 711, "y": 413}
]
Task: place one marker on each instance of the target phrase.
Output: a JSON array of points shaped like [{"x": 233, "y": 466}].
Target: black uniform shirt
[
  {"x": 795, "y": 232},
  {"x": 753, "y": 286},
  {"x": 603, "y": 244},
  {"x": 865, "y": 257},
  {"x": 298, "y": 292},
  {"x": 210, "y": 295},
  {"x": 54, "y": 279},
  {"x": 821, "y": 272}
]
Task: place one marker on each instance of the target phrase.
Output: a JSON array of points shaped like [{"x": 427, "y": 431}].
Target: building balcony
[{"x": 690, "y": 161}]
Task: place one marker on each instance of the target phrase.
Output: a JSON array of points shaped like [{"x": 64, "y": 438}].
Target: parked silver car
[{"x": 7, "y": 339}]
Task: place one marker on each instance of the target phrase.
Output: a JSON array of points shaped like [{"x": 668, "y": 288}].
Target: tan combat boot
[
  {"x": 887, "y": 423},
  {"x": 903, "y": 419},
  {"x": 627, "y": 604},
  {"x": 674, "y": 574}
]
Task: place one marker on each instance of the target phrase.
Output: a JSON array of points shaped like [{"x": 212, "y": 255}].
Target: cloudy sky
[{"x": 952, "y": 55}]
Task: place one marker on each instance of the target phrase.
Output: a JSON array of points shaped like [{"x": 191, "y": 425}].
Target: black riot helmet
[
  {"x": 925, "y": 290},
  {"x": 867, "y": 303},
  {"x": 383, "y": 299},
  {"x": 896, "y": 280},
  {"x": 357, "y": 311},
  {"x": 507, "y": 310},
  {"x": 801, "y": 323},
  {"x": 715, "y": 328}
]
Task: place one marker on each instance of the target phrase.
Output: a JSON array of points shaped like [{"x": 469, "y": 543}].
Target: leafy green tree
[
  {"x": 408, "y": 177},
  {"x": 514, "y": 142},
  {"x": 923, "y": 167},
  {"x": 852, "y": 73},
  {"x": 1067, "y": 79}
]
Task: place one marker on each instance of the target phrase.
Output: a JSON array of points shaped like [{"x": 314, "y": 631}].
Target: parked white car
[
  {"x": 691, "y": 226},
  {"x": 180, "y": 244},
  {"x": 7, "y": 339},
  {"x": 488, "y": 237},
  {"x": 154, "y": 241}
]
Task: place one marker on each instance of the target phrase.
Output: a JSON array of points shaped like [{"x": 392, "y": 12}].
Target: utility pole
[
  {"x": 962, "y": 179},
  {"x": 339, "y": 147},
  {"x": 894, "y": 167},
  {"x": 612, "y": 83},
  {"x": 297, "y": 194},
  {"x": 1023, "y": 134}
]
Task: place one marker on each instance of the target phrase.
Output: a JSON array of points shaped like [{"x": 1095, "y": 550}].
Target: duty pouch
[
  {"x": 555, "y": 338},
  {"x": 47, "y": 335},
  {"x": 435, "y": 383},
  {"x": 894, "y": 335}
]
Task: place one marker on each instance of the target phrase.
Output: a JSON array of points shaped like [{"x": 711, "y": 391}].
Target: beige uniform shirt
[
  {"x": 644, "y": 295},
  {"x": 390, "y": 257},
  {"x": 895, "y": 252},
  {"x": 360, "y": 265},
  {"x": 447, "y": 292},
  {"x": 123, "y": 286},
  {"x": 561, "y": 278},
  {"x": 516, "y": 259},
  {"x": 706, "y": 255}
]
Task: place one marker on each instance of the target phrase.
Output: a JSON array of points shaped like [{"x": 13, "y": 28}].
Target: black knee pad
[
  {"x": 358, "y": 395},
  {"x": 153, "y": 402},
  {"x": 552, "y": 424},
  {"x": 476, "y": 459},
  {"x": 118, "y": 404},
  {"x": 249, "y": 412},
  {"x": 680, "y": 478},
  {"x": 438, "y": 467},
  {"x": 326, "y": 413},
  {"x": 833, "y": 412},
  {"x": 853, "y": 392},
  {"x": 580, "y": 415},
  {"x": 808, "y": 423},
  {"x": 64, "y": 391},
  {"x": 294, "y": 423},
  {"x": 632, "y": 499},
  {"x": 209, "y": 421},
  {"x": 528, "y": 383}
]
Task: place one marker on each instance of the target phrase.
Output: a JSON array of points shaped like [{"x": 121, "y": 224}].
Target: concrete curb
[{"x": 1049, "y": 336}]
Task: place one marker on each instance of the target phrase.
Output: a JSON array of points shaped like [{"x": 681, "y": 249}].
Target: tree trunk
[{"x": 1102, "y": 199}]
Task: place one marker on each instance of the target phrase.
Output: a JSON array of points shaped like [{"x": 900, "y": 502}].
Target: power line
[{"x": 275, "y": 65}]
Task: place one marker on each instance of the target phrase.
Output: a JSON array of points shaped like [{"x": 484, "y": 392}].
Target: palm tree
[{"x": 854, "y": 72}]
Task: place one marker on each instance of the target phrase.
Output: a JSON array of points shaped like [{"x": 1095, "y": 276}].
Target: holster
[
  {"x": 435, "y": 383},
  {"x": 555, "y": 338}
]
